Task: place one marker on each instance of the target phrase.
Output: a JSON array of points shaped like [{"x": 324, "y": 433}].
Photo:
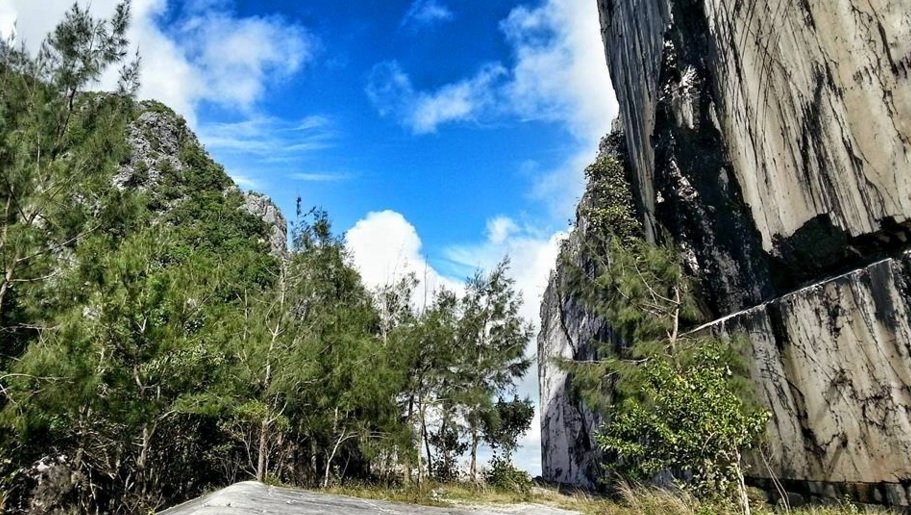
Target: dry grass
[{"x": 638, "y": 501}]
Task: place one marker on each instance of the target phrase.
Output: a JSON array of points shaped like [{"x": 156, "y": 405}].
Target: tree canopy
[{"x": 151, "y": 346}]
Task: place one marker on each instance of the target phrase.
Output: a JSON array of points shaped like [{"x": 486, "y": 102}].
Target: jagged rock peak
[
  {"x": 160, "y": 140},
  {"x": 262, "y": 207}
]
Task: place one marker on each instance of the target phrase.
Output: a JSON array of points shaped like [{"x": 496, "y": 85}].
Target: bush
[
  {"x": 503, "y": 475},
  {"x": 689, "y": 420}
]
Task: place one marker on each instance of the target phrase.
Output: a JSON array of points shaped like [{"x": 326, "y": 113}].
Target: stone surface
[
  {"x": 758, "y": 128},
  {"x": 251, "y": 498},
  {"x": 568, "y": 453},
  {"x": 832, "y": 363},
  {"x": 262, "y": 206},
  {"x": 156, "y": 139},
  {"x": 771, "y": 142}
]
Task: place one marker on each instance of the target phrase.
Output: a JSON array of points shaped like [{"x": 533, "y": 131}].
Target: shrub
[{"x": 503, "y": 475}]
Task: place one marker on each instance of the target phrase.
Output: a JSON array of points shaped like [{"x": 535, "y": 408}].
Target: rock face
[
  {"x": 832, "y": 361},
  {"x": 568, "y": 453},
  {"x": 771, "y": 141},
  {"x": 262, "y": 206},
  {"x": 758, "y": 130},
  {"x": 157, "y": 139}
]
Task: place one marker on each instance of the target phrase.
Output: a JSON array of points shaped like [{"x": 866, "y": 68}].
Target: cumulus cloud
[
  {"x": 423, "y": 13},
  {"x": 386, "y": 247},
  {"x": 237, "y": 57},
  {"x": 560, "y": 72},
  {"x": 206, "y": 55}
]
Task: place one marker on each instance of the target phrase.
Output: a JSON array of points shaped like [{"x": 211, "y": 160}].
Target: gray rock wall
[
  {"x": 832, "y": 363},
  {"x": 568, "y": 453},
  {"x": 812, "y": 97},
  {"x": 262, "y": 207},
  {"x": 771, "y": 142}
]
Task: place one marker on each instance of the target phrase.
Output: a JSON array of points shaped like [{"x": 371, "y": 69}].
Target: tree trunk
[
  {"x": 261, "y": 463},
  {"x": 473, "y": 468},
  {"x": 314, "y": 472},
  {"x": 4, "y": 287},
  {"x": 742, "y": 488},
  {"x": 410, "y": 419},
  {"x": 426, "y": 440},
  {"x": 338, "y": 442}
]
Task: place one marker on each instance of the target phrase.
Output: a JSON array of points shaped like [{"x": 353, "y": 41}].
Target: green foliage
[
  {"x": 609, "y": 206},
  {"x": 688, "y": 420},
  {"x": 151, "y": 347},
  {"x": 641, "y": 291},
  {"x": 506, "y": 422},
  {"x": 673, "y": 404},
  {"x": 504, "y": 475}
]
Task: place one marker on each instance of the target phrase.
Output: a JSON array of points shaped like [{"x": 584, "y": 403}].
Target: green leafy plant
[
  {"x": 504, "y": 475},
  {"x": 674, "y": 405},
  {"x": 689, "y": 420}
]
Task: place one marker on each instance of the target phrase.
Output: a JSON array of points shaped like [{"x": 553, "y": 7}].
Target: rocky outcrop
[
  {"x": 263, "y": 208},
  {"x": 155, "y": 139},
  {"x": 773, "y": 137},
  {"x": 158, "y": 140},
  {"x": 771, "y": 142},
  {"x": 569, "y": 454}
]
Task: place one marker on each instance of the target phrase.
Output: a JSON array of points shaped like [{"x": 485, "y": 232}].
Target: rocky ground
[{"x": 250, "y": 497}]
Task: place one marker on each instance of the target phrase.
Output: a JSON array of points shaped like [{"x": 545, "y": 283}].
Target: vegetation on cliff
[
  {"x": 675, "y": 406},
  {"x": 151, "y": 346}
]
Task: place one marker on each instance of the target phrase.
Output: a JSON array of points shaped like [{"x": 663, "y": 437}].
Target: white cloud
[
  {"x": 499, "y": 229},
  {"x": 560, "y": 72},
  {"x": 561, "y": 75},
  {"x": 208, "y": 55},
  {"x": 270, "y": 138},
  {"x": 319, "y": 176},
  {"x": 244, "y": 181},
  {"x": 426, "y": 12},
  {"x": 385, "y": 247},
  {"x": 392, "y": 92},
  {"x": 557, "y": 74},
  {"x": 239, "y": 56},
  {"x": 461, "y": 101},
  {"x": 532, "y": 256}
]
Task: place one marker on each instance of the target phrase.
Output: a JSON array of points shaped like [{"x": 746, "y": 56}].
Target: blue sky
[{"x": 440, "y": 135}]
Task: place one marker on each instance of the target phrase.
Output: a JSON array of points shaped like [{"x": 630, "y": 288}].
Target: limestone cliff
[
  {"x": 160, "y": 142},
  {"x": 771, "y": 141}
]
